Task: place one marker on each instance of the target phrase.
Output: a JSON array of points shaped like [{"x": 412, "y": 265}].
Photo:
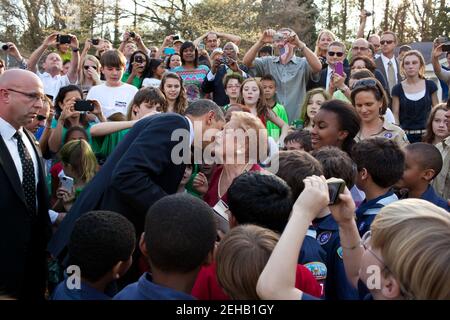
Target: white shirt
[
  {"x": 7, "y": 132},
  {"x": 151, "y": 82},
  {"x": 329, "y": 72},
  {"x": 385, "y": 64},
  {"x": 191, "y": 131},
  {"x": 53, "y": 84},
  {"x": 112, "y": 99}
]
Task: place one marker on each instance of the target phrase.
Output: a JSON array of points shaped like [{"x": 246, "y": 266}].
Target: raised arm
[
  {"x": 15, "y": 53},
  {"x": 167, "y": 41},
  {"x": 313, "y": 60},
  {"x": 231, "y": 37},
  {"x": 197, "y": 41},
  {"x": 37, "y": 54},
  {"x": 277, "y": 280},
  {"x": 140, "y": 44},
  {"x": 73, "y": 70},
  {"x": 252, "y": 53},
  {"x": 105, "y": 128},
  {"x": 362, "y": 24},
  {"x": 444, "y": 75}
]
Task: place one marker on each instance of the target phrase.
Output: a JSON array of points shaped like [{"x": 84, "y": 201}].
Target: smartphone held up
[{"x": 335, "y": 188}]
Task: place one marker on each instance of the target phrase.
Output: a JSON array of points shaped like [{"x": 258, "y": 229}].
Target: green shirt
[
  {"x": 137, "y": 82},
  {"x": 272, "y": 129}
]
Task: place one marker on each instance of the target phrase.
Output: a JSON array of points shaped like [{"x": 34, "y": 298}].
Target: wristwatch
[{"x": 75, "y": 49}]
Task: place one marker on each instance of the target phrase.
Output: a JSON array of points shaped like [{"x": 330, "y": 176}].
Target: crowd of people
[{"x": 89, "y": 176}]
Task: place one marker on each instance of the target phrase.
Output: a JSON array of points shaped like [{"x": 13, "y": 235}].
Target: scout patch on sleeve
[{"x": 324, "y": 237}]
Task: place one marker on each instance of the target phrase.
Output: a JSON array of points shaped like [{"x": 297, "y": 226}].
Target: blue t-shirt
[
  {"x": 145, "y": 289},
  {"x": 337, "y": 286},
  {"x": 62, "y": 292},
  {"x": 431, "y": 196},
  {"x": 367, "y": 211}
]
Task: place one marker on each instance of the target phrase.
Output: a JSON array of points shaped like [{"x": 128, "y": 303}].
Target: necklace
[{"x": 220, "y": 179}]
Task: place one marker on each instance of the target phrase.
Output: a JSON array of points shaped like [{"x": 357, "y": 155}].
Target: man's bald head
[
  {"x": 18, "y": 77},
  {"x": 360, "y": 47}
]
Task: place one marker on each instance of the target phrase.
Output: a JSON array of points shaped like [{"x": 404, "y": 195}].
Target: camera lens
[{"x": 5, "y": 47}]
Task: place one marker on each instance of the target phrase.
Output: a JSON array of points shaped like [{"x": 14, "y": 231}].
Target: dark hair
[
  {"x": 426, "y": 156},
  {"x": 348, "y": 120},
  {"x": 146, "y": 70},
  {"x": 266, "y": 49},
  {"x": 200, "y": 107},
  {"x": 66, "y": 61},
  {"x": 180, "y": 231},
  {"x": 296, "y": 165},
  {"x": 264, "y": 200},
  {"x": 185, "y": 46},
  {"x": 74, "y": 129},
  {"x": 181, "y": 103},
  {"x": 367, "y": 61},
  {"x": 361, "y": 74},
  {"x": 382, "y": 158},
  {"x": 60, "y": 98},
  {"x": 336, "y": 164},
  {"x": 404, "y": 48},
  {"x": 113, "y": 59},
  {"x": 99, "y": 240},
  {"x": 152, "y": 66},
  {"x": 170, "y": 57},
  {"x": 230, "y": 76},
  {"x": 150, "y": 95},
  {"x": 301, "y": 136},
  {"x": 268, "y": 77},
  {"x": 377, "y": 90}
]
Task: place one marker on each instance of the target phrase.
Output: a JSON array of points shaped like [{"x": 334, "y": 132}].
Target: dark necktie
[{"x": 28, "y": 177}]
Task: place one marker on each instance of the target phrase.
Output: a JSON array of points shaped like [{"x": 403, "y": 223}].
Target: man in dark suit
[
  {"x": 24, "y": 220},
  {"x": 386, "y": 63},
  {"x": 214, "y": 79},
  {"x": 335, "y": 53},
  {"x": 143, "y": 168}
]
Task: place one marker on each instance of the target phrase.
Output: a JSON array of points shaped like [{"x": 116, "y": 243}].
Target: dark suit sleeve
[
  {"x": 208, "y": 86},
  {"x": 148, "y": 157}
]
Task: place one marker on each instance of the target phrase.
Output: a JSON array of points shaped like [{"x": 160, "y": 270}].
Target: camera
[
  {"x": 4, "y": 46},
  {"x": 176, "y": 37},
  {"x": 446, "y": 47},
  {"x": 224, "y": 60},
  {"x": 63, "y": 39},
  {"x": 441, "y": 39},
  {"x": 132, "y": 34},
  {"x": 335, "y": 188},
  {"x": 138, "y": 59},
  {"x": 278, "y": 37},
  {"x": 84, "y": 105},
  {"x": 369, "y": 13},
  {"x": 95, "y": 42}
]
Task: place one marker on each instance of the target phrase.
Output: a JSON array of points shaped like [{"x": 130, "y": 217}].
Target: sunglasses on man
[
  {"x": 87, "y": 67},
  {"x": 383, "y": 42},
  {"x": 338, "y": 54}
]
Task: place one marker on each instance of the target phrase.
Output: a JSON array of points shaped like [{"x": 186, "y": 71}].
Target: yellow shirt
[
  {"x": 441, "y": 183},
  {"x": 389, "y": 131}
]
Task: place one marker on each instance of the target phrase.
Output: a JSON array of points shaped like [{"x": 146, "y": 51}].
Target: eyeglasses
[
  {"x": 40, "y": 117},
  {"x": 332, "y": 53},
  {"x": 365, "y": 83},
  {"x": 87, "y": 67},
  {"x": 33, "y": 96},
  {"x": 383, "y": 42},
  {"x": 360, "y": 48}
]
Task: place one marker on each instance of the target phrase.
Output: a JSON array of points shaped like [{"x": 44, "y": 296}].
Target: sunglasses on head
[
  {"x": 87, "y": 67},
  {"x": 382, "y": 42},
  {"x": 332, "y": 53},
  {"x": 365, "y": 83},
  {"x": 40, "y": 117}
]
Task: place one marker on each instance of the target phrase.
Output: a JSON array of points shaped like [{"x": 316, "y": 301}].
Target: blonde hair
[
  {"x": 304, "y": 107},
  {"x": 317, "y": 51},
  {"x": 414, "y": 238},
  {"x": 246, "y": 121},
  {"x": 421, "y": 61},
  {"x": 79, "y": 155},
  {"x": 241, "y": 257},
  {"x": 81, "y": 77}
]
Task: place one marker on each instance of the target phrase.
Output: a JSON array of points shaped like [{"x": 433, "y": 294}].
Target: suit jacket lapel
[
  {"x": 380, "y": 67},
  {"x": 10, "y": 169}
]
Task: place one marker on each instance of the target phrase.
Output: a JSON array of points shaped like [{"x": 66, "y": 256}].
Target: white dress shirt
[
  {"x": 53, "y": 84},
  {"x": 7, "y": 132},
  {"x": 329, "y": 73}
]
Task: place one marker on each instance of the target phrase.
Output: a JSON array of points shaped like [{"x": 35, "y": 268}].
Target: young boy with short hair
[
  {"x": 179, "y": 237},
  {"x": 270, "y": 87},
  {"x": 298, "y": 140},
  {"x": 423, "y": 162},
  {"x": 380, "y": 163},
  {"x": 113, "y": 95},
  {"x": 101, "y": 245}
]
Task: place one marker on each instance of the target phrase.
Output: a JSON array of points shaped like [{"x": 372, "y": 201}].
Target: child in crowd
[
  {"x": 101, "y": 245},
  {"x": 260, "y": 199},
  {"x": 298, "y": 140},
  {"x": 311, "y": 105},
  {"x": 423, "y": 162},
  {"x": 376, "y": 175},
  {"x": 113, "y": 95},
  {"x": 241, "y": 256},
  {"x": 294, "y": 167},
  {"x": 408, "y": 242},
  {"x": 270, "y": 87},
  {"x": 178, "y": 238},
  {"x": 79, "y": 164},
  {"x": 232, "y": 83},
  {"x": 336, "y": 164}
]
